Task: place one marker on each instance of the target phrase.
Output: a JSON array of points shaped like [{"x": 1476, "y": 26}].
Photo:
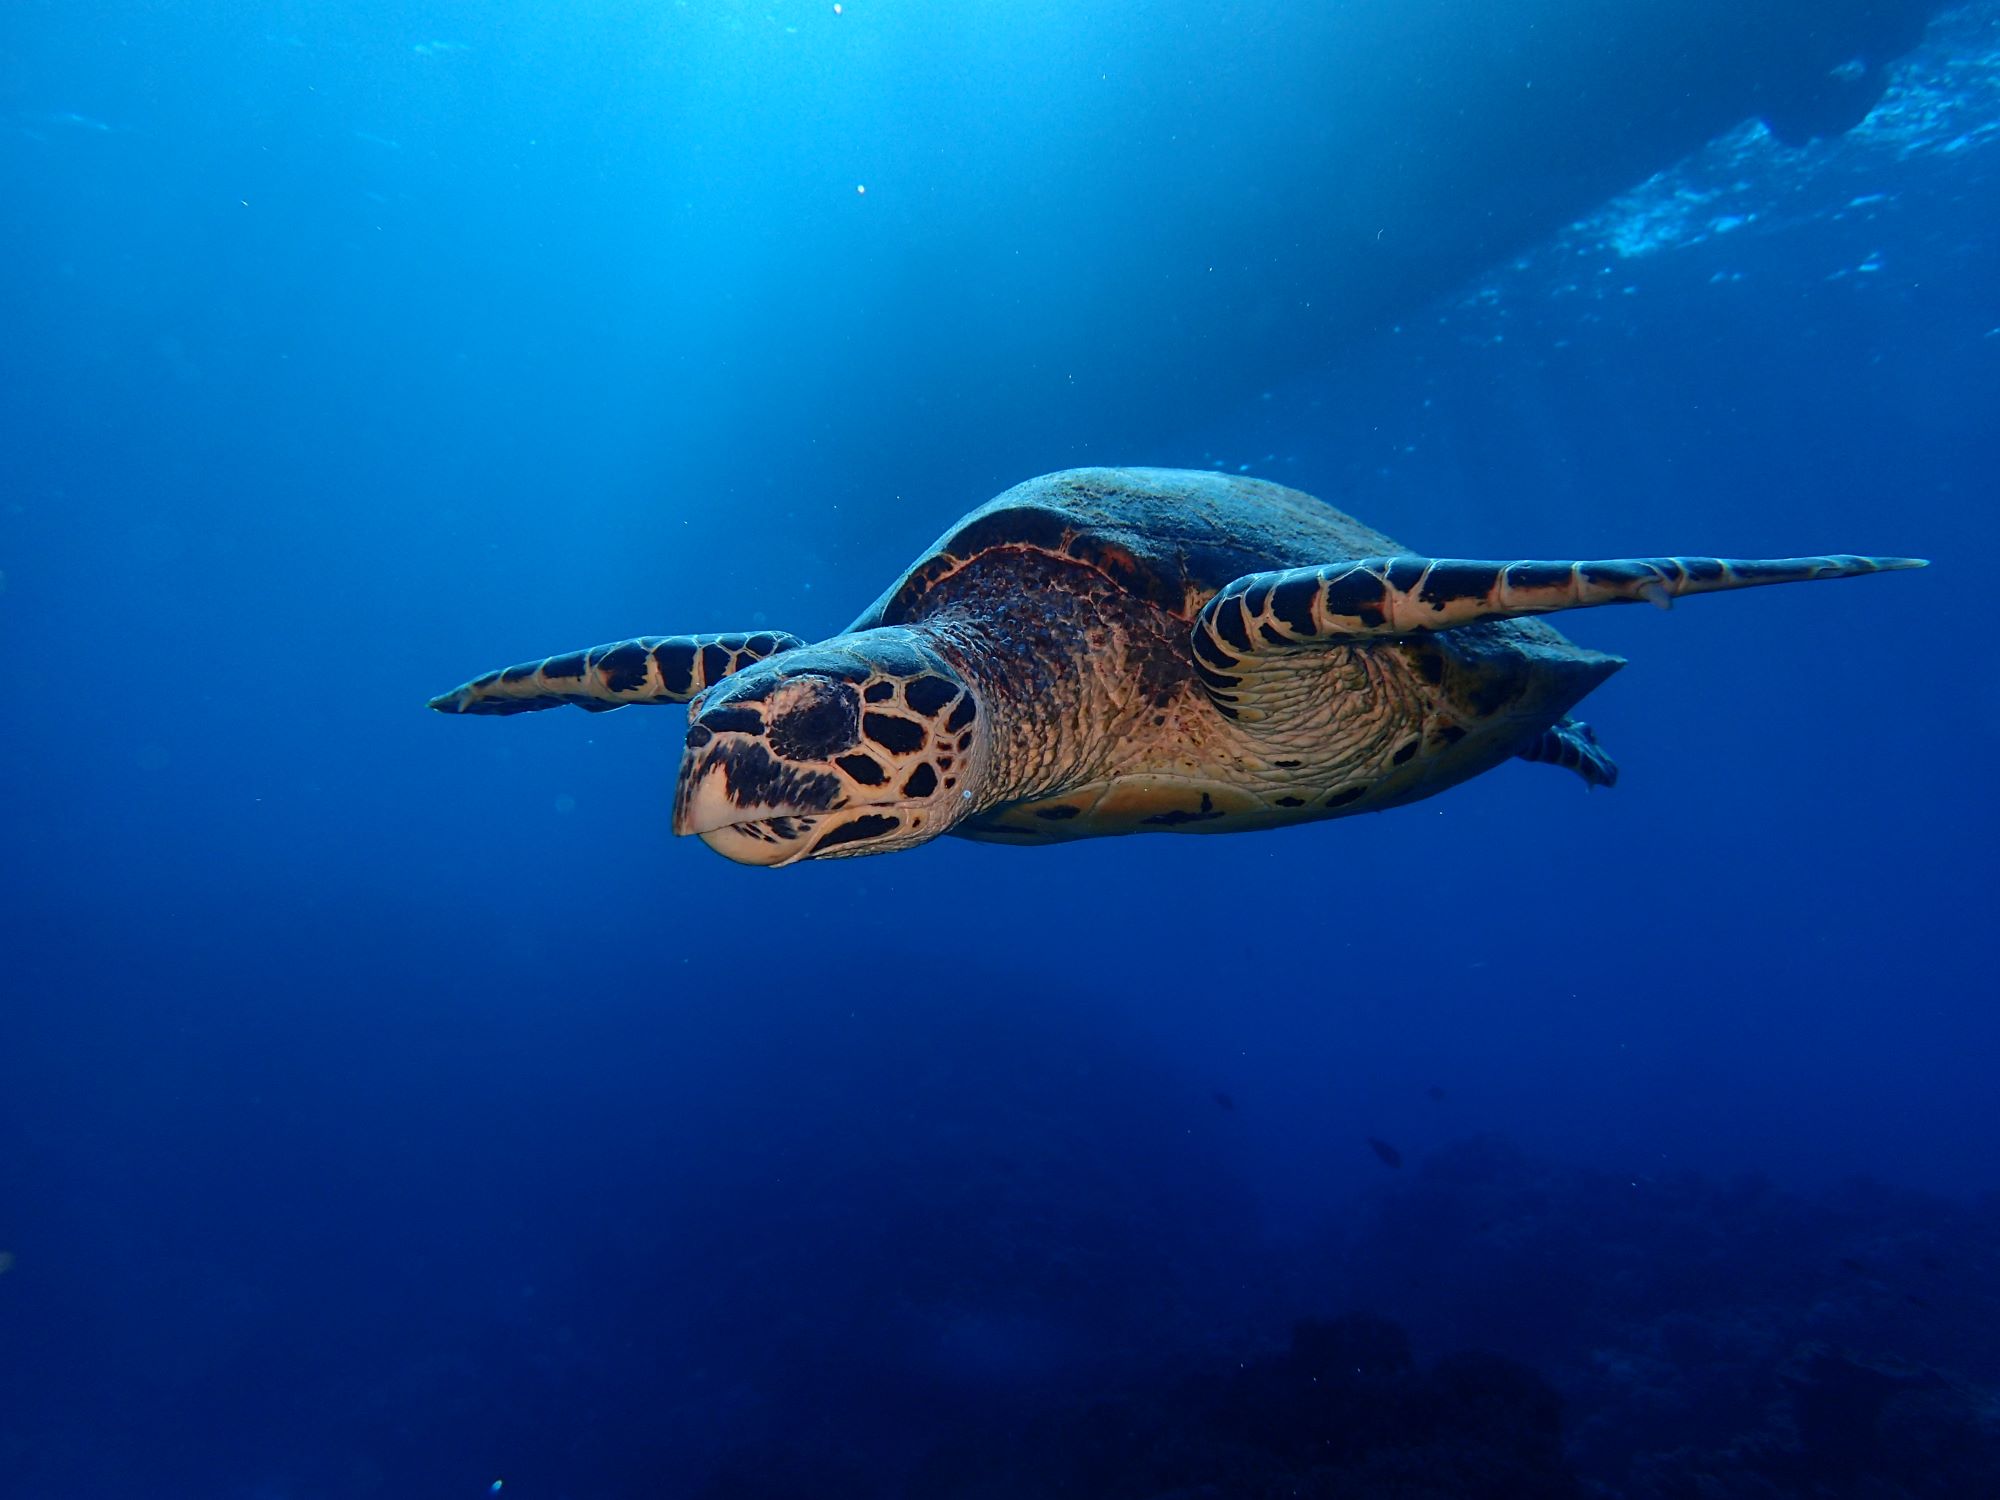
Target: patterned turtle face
[{"x": 856, "y": 748}]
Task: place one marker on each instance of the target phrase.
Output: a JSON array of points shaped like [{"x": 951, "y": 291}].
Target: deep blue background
[{"x": 389, "y": 1104}]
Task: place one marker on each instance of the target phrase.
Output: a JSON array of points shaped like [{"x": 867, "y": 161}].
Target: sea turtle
[{"x": 1126, "y": 650}]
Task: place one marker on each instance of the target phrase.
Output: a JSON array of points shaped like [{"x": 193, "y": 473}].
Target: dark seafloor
[{"x": 390, "y": 1107}]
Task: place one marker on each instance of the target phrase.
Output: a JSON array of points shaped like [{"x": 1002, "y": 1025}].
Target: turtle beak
[
  {"x": 739, "y": 781},
  {"x": 702, "y": 801},
  {"x": 747, "y": 804},
  {"x": 760, "y": 843}
]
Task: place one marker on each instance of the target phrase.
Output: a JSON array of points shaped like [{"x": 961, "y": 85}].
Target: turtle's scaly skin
[{"x": 1126, "y": 650}]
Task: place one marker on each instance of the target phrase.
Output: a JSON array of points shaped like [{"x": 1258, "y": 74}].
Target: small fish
[
  {"x": 1224, "y": 1100},
  {"x": 1389, "y": 1155},
  {"x": 1435, "y": 1094},
  {"x": 1849, "y": 1263}
]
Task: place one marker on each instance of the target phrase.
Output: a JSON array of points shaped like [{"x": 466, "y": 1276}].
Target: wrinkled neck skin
[
  {"x": 1048, "y": 723},
  {"x": 1070, "y": 670}
]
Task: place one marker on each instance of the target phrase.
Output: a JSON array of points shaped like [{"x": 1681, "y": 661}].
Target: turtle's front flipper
[
  {"x": 1375, "y": 598},
  {"x": 1391, "y": 598},
  {"x": 1572, "y": 744},
  {"x": 651, "y": 669}
]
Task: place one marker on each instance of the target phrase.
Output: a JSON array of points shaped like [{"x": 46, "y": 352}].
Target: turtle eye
[{"x": 815, "y": 719}]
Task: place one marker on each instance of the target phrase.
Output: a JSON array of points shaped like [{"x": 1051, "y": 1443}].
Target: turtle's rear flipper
[
  {"x": 650, "y": 669},
  {"x": 1572, "y": 744}
]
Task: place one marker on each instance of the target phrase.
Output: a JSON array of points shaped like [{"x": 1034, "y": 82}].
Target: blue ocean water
[{"x": 390, "y": 1106}]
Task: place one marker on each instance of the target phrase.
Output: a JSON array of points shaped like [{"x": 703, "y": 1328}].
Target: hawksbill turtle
[{"x": 1110, "y": 651}]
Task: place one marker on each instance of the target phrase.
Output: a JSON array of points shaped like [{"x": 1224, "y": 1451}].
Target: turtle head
[{"x": 859, "y": 746}]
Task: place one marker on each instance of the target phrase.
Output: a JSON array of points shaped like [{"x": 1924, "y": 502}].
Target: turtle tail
[
  {"x": 1572, "y": 744},
  {"x": 650, "y": 669}
]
